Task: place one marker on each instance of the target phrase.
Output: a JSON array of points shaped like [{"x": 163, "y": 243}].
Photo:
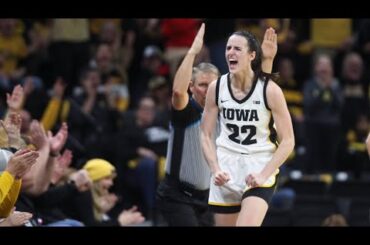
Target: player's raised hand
[
  {"x": 269, "y": 44},
  {"x": 198, "y": 41}
]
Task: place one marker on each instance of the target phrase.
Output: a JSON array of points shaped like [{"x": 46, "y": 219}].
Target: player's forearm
[
  {"x": 209, "y": 151},
  {"x": 267, "y": 64},
  {"x": 282, "y": 153}
]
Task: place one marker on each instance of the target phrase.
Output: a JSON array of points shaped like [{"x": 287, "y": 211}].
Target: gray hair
[{"x": 205, "y": 68}]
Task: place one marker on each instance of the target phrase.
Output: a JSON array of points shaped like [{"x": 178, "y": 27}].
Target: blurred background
[{"x": 110, "y": 80}]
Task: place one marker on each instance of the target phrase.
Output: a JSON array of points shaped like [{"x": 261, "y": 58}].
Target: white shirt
[{"x": 246, "y": 124}]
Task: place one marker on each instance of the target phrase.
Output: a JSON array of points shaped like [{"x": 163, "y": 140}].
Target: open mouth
[{"x": 233, "y": 64}]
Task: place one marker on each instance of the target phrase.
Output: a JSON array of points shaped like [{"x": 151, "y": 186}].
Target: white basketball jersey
[{"x": 246, "y": 124}]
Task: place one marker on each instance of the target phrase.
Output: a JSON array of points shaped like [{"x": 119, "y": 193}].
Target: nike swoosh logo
[{"x": 222, "y": 101}]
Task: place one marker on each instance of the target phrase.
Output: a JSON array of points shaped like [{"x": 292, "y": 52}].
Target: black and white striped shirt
[{"x": 185, "y": 159}]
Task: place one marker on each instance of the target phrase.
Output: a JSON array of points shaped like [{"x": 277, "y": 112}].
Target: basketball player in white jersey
[
  {"x": 248, "y": 156},
  {"x": 182, "y": 197}
]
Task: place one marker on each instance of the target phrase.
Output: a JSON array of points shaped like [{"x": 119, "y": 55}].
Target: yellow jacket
[{"x": 9, "y": 191}]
